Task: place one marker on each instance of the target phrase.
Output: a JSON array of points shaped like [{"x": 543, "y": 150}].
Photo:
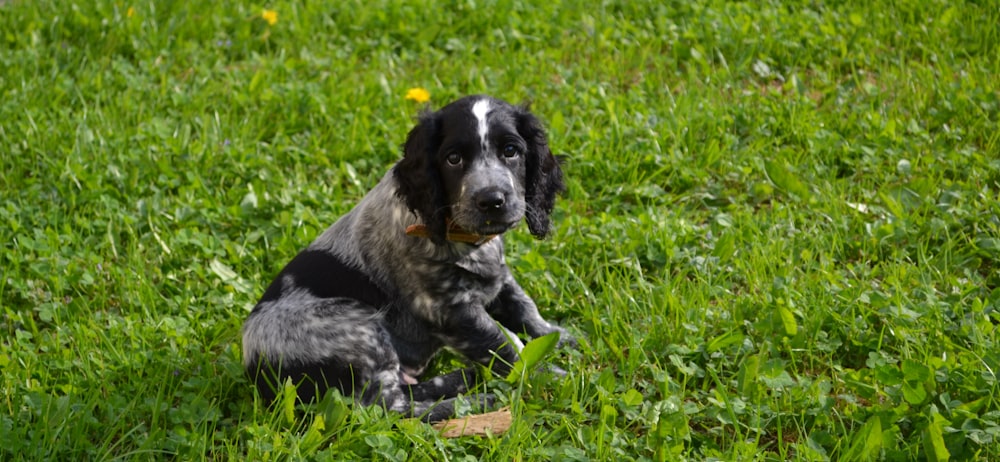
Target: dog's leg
[
  {"x": 431, "y": 401},
  {"x": 444, "y": 386},
  {"x": 516, "y": 311},
  {"x": 426, "y": 397},
  {"x": 436, "y": 411},
  {"x": 474, "y": 334}
]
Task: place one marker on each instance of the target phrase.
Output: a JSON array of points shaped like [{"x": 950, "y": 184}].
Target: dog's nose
[{"x": 490, "y": 199}]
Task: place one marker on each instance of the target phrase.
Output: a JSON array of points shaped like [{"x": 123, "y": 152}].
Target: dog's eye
[
  {"x": 453, "y": 158},
  {"x": 510, "y": 150}
]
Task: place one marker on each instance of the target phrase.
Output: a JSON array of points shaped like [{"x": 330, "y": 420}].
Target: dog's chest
[
  {"x": 482, "y": 265},
  {"x": 478, "y": 273},
  {"x": 468, "y": 282}
]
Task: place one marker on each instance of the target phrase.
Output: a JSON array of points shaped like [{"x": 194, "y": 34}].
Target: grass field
[{"x": 780, "y": 240}]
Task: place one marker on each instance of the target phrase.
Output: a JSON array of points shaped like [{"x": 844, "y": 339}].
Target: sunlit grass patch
[{"x": 779, "y": 241}]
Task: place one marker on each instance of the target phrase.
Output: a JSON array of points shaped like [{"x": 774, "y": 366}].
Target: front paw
[
  {"x": 553, "y": 369},
  {"x": 566, "y": 339}
]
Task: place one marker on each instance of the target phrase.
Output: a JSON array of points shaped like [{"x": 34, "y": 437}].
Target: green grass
[{"x": 780, "y": 240}]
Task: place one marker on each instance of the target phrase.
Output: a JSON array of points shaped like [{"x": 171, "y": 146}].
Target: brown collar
[{"x": 453, "y": 234}]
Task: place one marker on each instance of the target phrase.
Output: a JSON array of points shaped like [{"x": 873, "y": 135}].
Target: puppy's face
[{"x": 482, "y": 165}]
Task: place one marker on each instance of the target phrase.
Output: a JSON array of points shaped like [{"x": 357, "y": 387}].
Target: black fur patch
[
  {"x": 312, "y": 381},
  {"x": 326, "y": 276}
]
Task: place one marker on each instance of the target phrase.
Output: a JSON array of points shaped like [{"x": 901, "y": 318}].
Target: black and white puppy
[{"x": 416, "y": 266}]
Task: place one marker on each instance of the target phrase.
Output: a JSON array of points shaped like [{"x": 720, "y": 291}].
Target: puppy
[{"x": 417, "y": 265}]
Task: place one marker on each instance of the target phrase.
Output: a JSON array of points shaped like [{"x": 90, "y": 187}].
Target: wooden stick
[{"x": 490, "y": 423}]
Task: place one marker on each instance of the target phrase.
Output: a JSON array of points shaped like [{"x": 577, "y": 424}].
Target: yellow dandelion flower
[
  {"x": 270, "y": 16},
  {"x": 130, "y": 12},
  {"x": 418, "y": 94}
]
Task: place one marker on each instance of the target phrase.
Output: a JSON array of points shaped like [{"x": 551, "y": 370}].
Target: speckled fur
[{"x": 365, "y": 307}]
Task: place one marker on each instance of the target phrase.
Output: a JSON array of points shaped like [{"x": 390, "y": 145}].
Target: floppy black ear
[
  {"x": 418, "y": 177},
  {"x": 543, "y": 176}
]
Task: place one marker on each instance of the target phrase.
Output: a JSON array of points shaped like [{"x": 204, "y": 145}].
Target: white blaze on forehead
[{"x": 480, "y": 109}]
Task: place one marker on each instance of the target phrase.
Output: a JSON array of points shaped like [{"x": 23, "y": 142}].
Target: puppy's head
[{"x": 482, "y": 163}]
